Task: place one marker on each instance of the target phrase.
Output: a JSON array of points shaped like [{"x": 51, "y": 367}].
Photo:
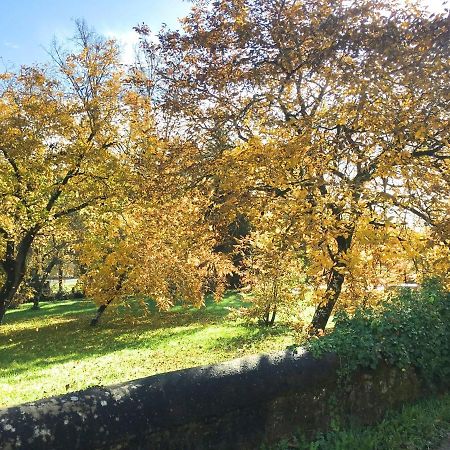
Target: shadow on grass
[
  {"x": 47, "y": 353},
  {"x": 180, "y": 314},
  {"x": 134, "y": 312},
  {"x": 69, "y": 337},
  {"x": 60, "y": 308}
]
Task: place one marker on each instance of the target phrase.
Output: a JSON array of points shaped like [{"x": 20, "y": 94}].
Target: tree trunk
[
  {"x": 39, "y": 289},
  {"x": 101, "y": 308},
  {"x": 2, "y": 311},
  {"x": 325, "y": 307},
  {"x": 266, "y": 315},
  {"x": 14, "y": 266},
  {"x": 334, "y": 285},
  {"x": 100, "y": 311},
  {"x": 36, "y": 300},
  {"x": 34, "y": 284},
  {"x": 8, "y": 291},
  {"x": 274, "y": 313},
  {"x": 60, "y": 280}
]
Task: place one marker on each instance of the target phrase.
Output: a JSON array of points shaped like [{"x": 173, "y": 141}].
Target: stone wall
[{"x": 239, "y": 404}]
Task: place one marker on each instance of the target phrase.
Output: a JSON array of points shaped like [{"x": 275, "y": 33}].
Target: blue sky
[{"x": 26, "y": 26}]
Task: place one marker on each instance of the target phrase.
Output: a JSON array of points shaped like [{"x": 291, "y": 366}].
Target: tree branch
[
  {"x": 78, "y": 207},
  {"x": 57, "y": 193},
  {"x": 412, "y": 209},
  {"x": 13, "y": 164}
]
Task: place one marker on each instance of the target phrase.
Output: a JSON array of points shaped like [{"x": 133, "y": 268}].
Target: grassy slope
[{"x": 54, "y": 350}]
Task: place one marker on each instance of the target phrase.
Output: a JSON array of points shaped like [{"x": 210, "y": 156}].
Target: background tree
[
  {"x": 59, "y": 146},
  {"x": 276, "y": 276},
  {"x": 45, "y": 255}
]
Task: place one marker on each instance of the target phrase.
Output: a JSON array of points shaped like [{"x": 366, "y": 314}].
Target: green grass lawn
[{"x": 54, "y": 350}]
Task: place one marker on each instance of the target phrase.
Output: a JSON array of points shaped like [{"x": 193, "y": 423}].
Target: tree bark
[
  {"x": 325, "y": 307},
  {"x": 274, "y": 313},
  {"x": 8, "y": 289},
  {"x": 38, "y": 292},
  {"x": 101, "y": 308},
  {"x": 36, "y": 301},
  {"x": 35, "y": 283},
  {"x": 100, "y": 311},
  {"x": 14, "y": 266},
  {"x": 60, "y": 280},
  {"x": 334, "y": 285},
  {"x": 2, "y": 311},
  {"x": 266, "y": 315}
]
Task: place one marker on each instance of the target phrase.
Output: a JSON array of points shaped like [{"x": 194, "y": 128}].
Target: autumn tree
[
  {"x": 159, "y": 244},
  {"x": 59, "y": 146},
  {"x": 325, "y": 120}
]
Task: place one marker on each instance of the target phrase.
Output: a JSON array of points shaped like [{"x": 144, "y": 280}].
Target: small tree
[{"x": 276, "y": 277}]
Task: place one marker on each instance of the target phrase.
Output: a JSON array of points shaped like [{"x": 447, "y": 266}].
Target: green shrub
[{"x": 410, "y": 329}]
